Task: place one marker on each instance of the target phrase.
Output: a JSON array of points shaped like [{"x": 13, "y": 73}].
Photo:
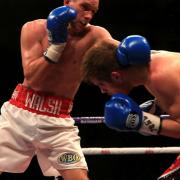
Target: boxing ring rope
[
  {"x": 89, "y": 120},
  {"x": 120, "y": 151},
  {"x": 132, "y": 150}
]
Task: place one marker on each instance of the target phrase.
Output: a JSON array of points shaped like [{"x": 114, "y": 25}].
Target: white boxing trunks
[{"x": 34, "y": 124}]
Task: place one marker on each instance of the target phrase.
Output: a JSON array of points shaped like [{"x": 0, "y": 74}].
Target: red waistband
[{"x": 39, "y": 103}]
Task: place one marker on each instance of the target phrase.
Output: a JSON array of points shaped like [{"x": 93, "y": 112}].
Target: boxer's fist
[
  {"x": 57, "y": 24},
  {"x": 123, "y": 114},
  {"x": 133, "y": 50}
]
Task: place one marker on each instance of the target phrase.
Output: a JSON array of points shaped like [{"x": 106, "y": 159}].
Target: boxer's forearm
[{"x": 170, "y": 128}]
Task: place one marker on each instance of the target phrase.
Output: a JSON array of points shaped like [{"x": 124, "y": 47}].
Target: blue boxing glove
[
  {"x": 123, "y": 114},
  {"x": 133, "y": 50},
  {"x": 57, "y": 24}
]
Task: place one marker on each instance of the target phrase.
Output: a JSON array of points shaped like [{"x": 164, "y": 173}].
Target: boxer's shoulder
[
  {"x": 36, "y": 27},
  {"x": 38, "y": 23}
]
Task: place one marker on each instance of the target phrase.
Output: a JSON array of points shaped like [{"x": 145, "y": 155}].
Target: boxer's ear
[
  {"x": 66, "y": 2},
  {"x": 116, "y": 76}
]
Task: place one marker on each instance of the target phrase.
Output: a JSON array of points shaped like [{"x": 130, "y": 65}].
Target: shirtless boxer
[
  {"x": 129, "y": 64},
  {"x": 36, "y": 120}
]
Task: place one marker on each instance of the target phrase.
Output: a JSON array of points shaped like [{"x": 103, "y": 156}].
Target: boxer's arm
[
  {"x": 33, "y": 60},
  {"x": 169, "y": 127},
  {"x": 32, "y": 34}
]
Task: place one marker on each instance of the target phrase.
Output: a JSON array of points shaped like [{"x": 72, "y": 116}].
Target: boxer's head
[
  {"x": 86, "y": 10},
  {"x": 101, "y": 68}
]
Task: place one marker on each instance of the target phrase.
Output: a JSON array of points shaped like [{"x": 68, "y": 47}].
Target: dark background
[{"x": 158, "y": 21}]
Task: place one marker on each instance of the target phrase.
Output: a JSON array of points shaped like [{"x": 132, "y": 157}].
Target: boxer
[
  {"x": 36, "y": 120},
  {"x": 130, "y": 63}
]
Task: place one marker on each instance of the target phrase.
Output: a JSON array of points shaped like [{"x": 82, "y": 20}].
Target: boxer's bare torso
[
  {"x": 164, "y": 81},
  {"x": 61, "y": 79}
]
